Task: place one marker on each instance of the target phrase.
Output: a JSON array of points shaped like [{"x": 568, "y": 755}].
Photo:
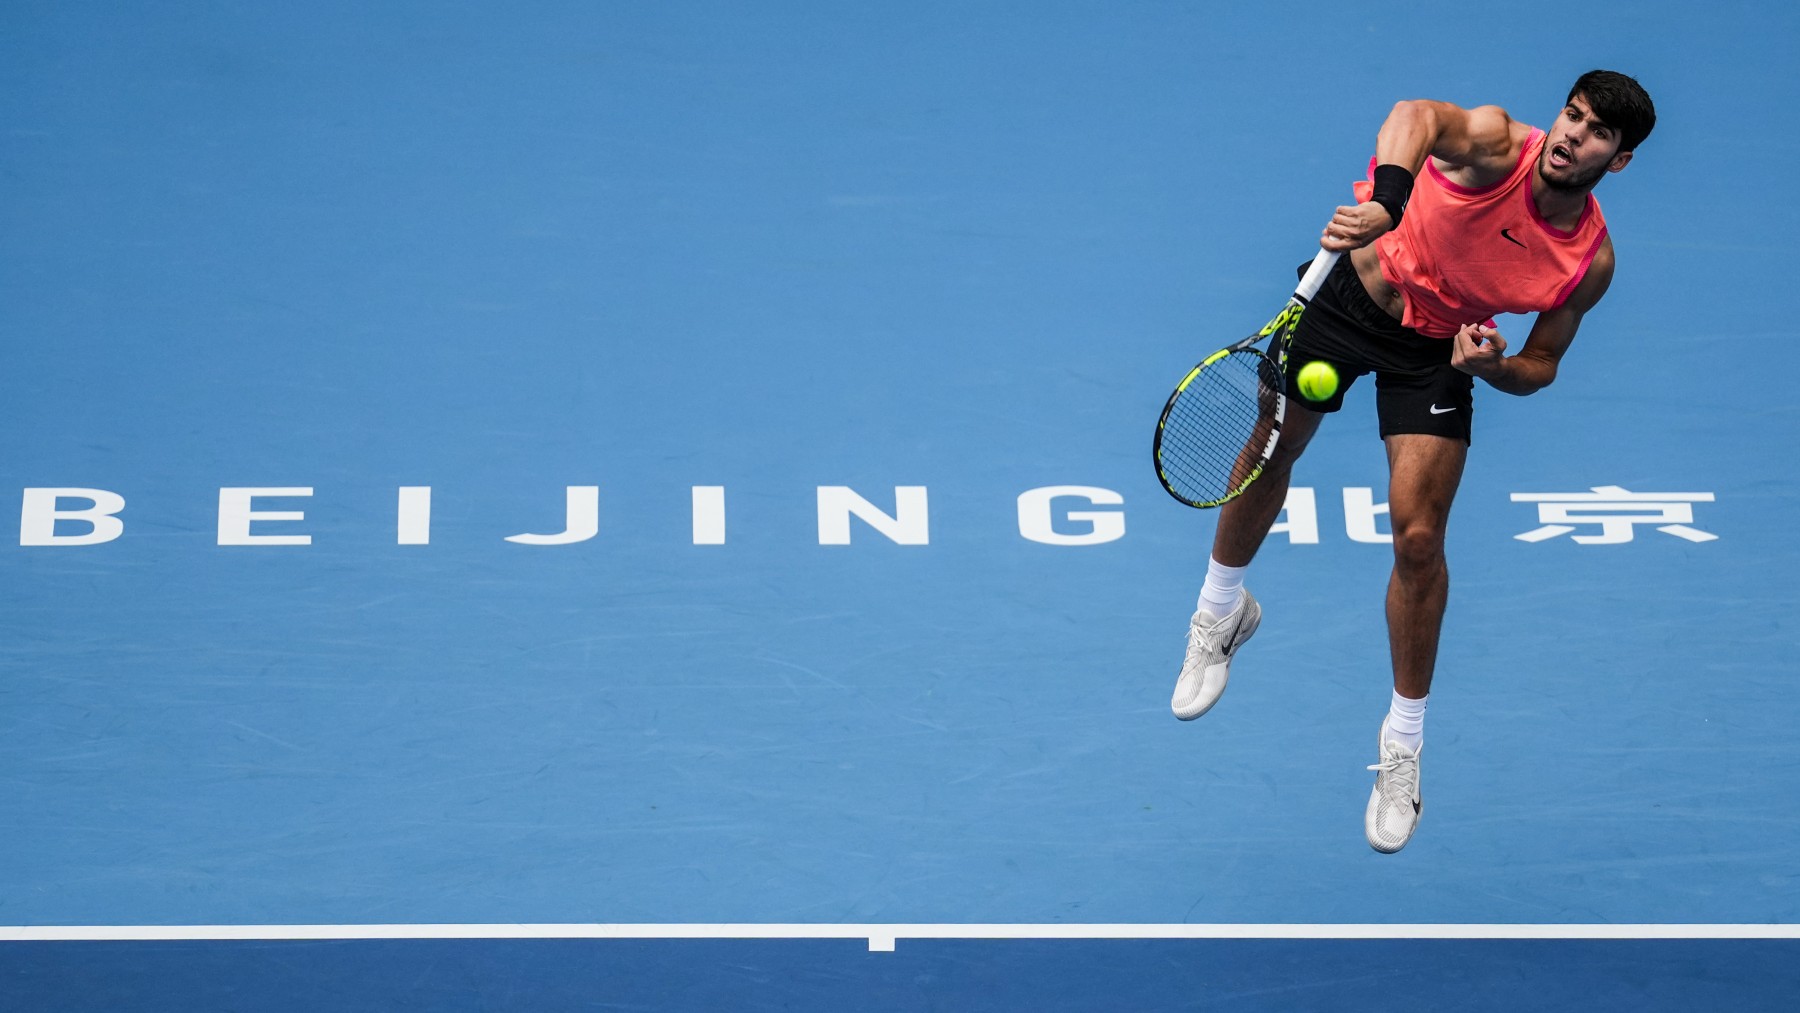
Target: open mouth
[{"x": 1561, "y": 157}]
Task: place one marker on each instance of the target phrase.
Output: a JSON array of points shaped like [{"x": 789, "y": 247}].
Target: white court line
[{"x": 884, "y": 937}]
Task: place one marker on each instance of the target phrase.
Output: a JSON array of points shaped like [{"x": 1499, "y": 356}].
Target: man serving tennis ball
[{"x": 1502, "y": 220}]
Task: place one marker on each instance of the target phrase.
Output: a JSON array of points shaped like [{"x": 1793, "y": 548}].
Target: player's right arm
[
  {"x": 1483, "y": 139},
  {"x": 1478, "y": 146}
]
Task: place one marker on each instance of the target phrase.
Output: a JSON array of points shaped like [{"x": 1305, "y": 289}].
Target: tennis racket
[{"x": 1222, "y": 423}]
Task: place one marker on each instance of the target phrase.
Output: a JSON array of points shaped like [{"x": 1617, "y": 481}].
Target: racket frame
[{"x": 1281, "y": 326}]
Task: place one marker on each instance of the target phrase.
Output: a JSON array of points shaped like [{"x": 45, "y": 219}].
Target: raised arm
[
  {"x": 1480, "y": 146},
  {"x": 1483, "y": 138}
]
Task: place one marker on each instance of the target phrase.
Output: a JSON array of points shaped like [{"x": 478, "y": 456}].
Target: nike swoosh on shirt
[
  {"x": 1435, "y": 410},
  {"x": 1506, "y": 234}
]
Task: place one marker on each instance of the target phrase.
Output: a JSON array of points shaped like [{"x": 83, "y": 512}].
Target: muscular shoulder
[{"x": 1477, "y": 146}]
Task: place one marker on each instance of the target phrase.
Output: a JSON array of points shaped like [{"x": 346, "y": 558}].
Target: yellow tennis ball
[{"x": 1317, "y": 381}]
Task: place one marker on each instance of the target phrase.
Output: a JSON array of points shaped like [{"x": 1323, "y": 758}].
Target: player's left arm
[{"x": 1481, "y": 351}]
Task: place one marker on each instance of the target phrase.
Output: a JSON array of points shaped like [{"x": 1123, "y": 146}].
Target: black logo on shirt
[{"x": 1506, "y": 234}]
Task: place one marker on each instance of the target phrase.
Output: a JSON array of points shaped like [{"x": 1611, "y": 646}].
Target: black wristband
[{"x": 1393, "y": 185}]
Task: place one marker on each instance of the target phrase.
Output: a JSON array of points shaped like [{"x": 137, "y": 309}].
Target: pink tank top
[{"x": 1460, "y": 256}]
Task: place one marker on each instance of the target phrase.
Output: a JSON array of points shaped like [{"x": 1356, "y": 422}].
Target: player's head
[{"x": 1602, "y": 122}]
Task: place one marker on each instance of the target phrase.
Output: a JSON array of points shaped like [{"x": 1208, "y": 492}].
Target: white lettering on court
[
  {"x": 1360, "y": 511},
  {"x": 1616, "y": 511},
  {"x": 909, "y": 525},
  {"x": 1299, "y": 518},
  {"x": 1037, "y": 516},
  {"x": 413, "y": 515},
  {"x": 237, "y": 511},
  {"x": 709, "y": 515},
  {"x": 42, "y": 508},
  {"x": 581, "y": 519}
]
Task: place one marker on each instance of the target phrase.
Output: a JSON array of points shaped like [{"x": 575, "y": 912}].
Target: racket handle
[{"x": 1315, "y": 275}]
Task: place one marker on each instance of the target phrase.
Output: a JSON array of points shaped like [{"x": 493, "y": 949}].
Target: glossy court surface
[{"x": 676, "y": 476}]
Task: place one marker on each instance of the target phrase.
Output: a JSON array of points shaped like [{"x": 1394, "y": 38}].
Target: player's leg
[
  {"x": 1423, "y": 474},
  {"x": 1227, "y": 615},
  {"x": 1335, "y": 328},
  {"x": 1426, "y": 424},
  {"x": 1245, "y": 521}
]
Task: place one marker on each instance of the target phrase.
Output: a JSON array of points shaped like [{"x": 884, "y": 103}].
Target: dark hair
[{"x": 1620, "y": 102}]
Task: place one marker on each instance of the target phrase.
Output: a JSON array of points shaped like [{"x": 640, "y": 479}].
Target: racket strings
[{"x": 1215, "y": 436}]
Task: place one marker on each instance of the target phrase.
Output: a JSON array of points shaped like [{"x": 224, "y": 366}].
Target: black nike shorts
[{"x": 1416, "y": 388}]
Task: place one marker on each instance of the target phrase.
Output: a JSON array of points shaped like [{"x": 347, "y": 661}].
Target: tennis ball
[{"x": 1317, "y": 381}]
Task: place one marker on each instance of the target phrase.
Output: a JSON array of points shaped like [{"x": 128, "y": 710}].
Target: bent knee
[{"x": 1419, "y": 545}]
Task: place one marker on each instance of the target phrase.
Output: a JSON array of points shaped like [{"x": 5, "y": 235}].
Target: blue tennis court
[{"x": 575, "y": 504}]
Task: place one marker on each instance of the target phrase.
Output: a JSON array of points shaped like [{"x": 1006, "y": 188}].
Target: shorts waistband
[{"x": 1354, "y": 301}]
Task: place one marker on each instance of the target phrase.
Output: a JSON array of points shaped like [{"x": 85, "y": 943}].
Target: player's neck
[{"x": 1560, "y": 207}]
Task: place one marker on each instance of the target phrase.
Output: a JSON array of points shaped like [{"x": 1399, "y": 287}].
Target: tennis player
[{"x": 1468, "y": 213}]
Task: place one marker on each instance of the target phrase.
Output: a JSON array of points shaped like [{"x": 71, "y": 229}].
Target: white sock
[
  {"x": 1224, "y": 585},
  {"x": 1406, "y": 721}
]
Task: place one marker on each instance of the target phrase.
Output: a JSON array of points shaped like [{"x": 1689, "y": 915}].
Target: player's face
[{"x": 1580, "y": 149}]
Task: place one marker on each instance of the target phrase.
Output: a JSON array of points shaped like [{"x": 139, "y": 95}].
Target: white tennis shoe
[
  {"x": 1395, "y": 803},
  {"x": 1209, "y": 651}
]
